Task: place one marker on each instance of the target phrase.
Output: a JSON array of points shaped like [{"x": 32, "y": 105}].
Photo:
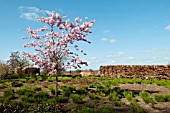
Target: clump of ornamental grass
[
  {"x": 82, "y": 90},
  {"x": 52, "y": 90},
  {"x": 128, "y": 95},
  {"x": 162, "y": 98},
  {"x": 17, "y": 84},
  {"x": 93, "y": 96},
  {"x": 8, "y": 95},
  {"x": 146, "y": 98},
  {"x": 136, "y": 108},
  {"x": 67, "y": 90},
  {"x": 114, "y": 96},
  {"x": 23, "y": 80},
  {"x": 77, "y": 98}
]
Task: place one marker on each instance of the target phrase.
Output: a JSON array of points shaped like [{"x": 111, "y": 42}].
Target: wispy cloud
[
  {"x": 156, "y": 50},
  {"x": 106, "y": 31},
  {"x": 151, "y": 51},
  {"x": 29, "y": 16},
  {"x": 104, "y": 39},
  {"x": 30, "y": 13},
  {"x": 167, "y": 27},
  {"x": 112, "y": 41},
  {"x": 93, "y": 58},
  {"x": 109, "y": 40},
  {"x": 115, "y": 55}
]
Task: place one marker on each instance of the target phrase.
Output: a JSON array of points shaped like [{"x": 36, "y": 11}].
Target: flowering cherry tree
[{"x": 55, "y": 43}]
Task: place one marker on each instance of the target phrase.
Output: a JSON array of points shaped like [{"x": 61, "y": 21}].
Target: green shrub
[
  {"x": 8, "y": 95},
  {"x": 61, "y": 99},
  {"x": 32, "y": 79},
  {"x": 37, "y": 88},
  {"x": 22, "y": 80},
  {"x": 136, "y": 108},
  {"x": 114, "y": 96},
  {"x": 82, "y": 90},
  {"x": 28, "y": 98},
  {"x": 17, "y": 84},
  {"x": 41, "y": 94},
  {"x": 146, "y": 98},
  {"x": 85, "y": 109},
  {"x": 64, "y": 78},
  {"x": 105, "y": 110},
  {"x": 2, "y": 85},
  {"x": 162, "y": 98},
  {"x": 12, "y": 76},
  {"x": 118, "y": 103},
  {"x": 138, "y": 81},
  {"x": 66, "y": 90},
  {"x": 147, "y": 81},
  {"x": 25, "y": 89},
  {"x": 93, "y": 96},
  {"x": 43, "y": 78},
  {"x": 52, "y": 89},
  {"x": 128, "y": 95},
  {"x": 76, "y": 98}
]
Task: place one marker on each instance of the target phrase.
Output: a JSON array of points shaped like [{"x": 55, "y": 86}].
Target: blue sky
[{"x": 134, "y": 32}]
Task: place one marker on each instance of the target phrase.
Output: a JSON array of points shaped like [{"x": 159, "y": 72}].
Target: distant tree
[
  {"x": 17, "y": 60},
  {"x": 4, "y": 69}
]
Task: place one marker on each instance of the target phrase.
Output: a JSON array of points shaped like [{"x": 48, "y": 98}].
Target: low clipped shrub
[
  {"x": 117, "y": 103},
  {"x": 162, "y": 98},
  {"x": 64, "y": 79},
  {"x": 37, "y": 88},
  {"x": 93, "y": 96},
  {"x": 61, "y": 99},
  {"x": 105, "y": 109},
  {"x": 146, "y": 98},
  {"x": 52, "y": 89},
  {"x": 23, "y": 80},
  {"x": 128, "y": 95},
  {"x": 66, "y": 90},
  {"x": 113, "y": 97},
  {"x": 77, "y": 98},
  {"x": 8, "y": 95},
  {"x": 29, "y": 98},
  {"x": 41, "y": 94},
  {"x": 17, "y": 84},
  {"x": 82, "y": 90},
  {"x": 43, "y": 78},
  {"x": 32, "y": 80},
  {"x": 136, "y": 108},
  {"x": 2, "y": 85},
  {"x": 85, "y": 109}
]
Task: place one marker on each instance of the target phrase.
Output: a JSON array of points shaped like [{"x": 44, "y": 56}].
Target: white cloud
[
  {"x": 112, "y": 41},
  {"x": 130, "y": 58},
  {"x": 29, "y": 16},
  {"x": 113, "y": 61},
  {"x": 30, "y": 13},
  {"x": 115, "y": 55},
  {"x": 104, "y": 39},
  {"x": 167, "y": 28},
  {"x": 109, "y": 40},
  {"x": 151, "y": 51},
  {"x": 29, "y": 9},
  {"x": 106, "y": 31},
  {"x": 93, "y": 58}
]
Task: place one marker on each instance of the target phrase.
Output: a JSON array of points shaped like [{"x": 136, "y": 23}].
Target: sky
[{"x": 126, "y": 32}]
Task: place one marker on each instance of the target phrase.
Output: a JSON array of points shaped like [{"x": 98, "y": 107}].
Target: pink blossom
[{"x": 57, "y": 41}]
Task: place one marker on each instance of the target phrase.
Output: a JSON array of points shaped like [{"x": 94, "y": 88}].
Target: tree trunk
[{"x": 56, "y": 93}]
